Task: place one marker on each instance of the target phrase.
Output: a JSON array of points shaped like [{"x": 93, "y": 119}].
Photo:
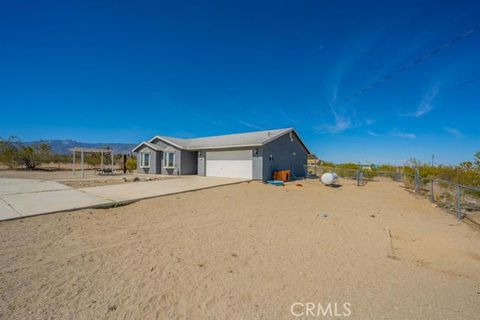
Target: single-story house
[{"x": 252, "y": 155}]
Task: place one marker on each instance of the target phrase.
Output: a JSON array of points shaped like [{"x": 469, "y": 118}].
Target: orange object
[{"x": 283, "y": 175}]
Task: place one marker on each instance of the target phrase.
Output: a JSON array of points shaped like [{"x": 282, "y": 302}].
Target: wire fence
[
  {"x": 462, "y": 200},
  {"x": 457, "y": 198}
]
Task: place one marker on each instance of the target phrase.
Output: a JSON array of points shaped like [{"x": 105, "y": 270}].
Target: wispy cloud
[
  {"x": 401, "y": 134},
  {"x": 216, "y": 122},
  {"x": 340, "y": 124},
  {"x": 454, "y": 132},
  {"x": 373, "y": 134},
  {"x": 250, "y": 125},
  {"x": 426, "y": 105}
]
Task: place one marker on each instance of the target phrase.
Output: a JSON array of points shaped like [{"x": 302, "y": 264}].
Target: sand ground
[
  {"x": 48, "y": 175},
  {"x": 90, "y": 178},
  {"x": 246, "y": 251}
]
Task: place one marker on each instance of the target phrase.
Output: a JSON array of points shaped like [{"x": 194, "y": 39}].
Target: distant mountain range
[{"x": 64, "y": 146}]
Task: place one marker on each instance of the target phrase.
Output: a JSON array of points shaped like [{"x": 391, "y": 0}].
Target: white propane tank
[{"x": 329, "y": 178}]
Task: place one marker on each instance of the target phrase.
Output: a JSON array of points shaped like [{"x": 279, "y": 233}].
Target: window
[
  {"x": 145, "y": 160},
  {"x": 169, "y": 160}
]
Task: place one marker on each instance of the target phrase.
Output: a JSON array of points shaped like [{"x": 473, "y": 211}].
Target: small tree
[
  {"x": 477, "y": 159},
  {"x": 466, "y": 165},
  {"x": 32, "y": 156}
]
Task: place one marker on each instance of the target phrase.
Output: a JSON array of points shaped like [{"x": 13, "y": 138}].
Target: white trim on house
[
  {"x": 165, "y": 140},
  {"x": 166, "y": 160},
  {"x": 142, "y": 159},
  {"x": 227, "y": 147},
  {"x": 148, "y": 144}
]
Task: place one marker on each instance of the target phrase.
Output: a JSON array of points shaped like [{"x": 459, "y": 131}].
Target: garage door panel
[{"x": 232, "y": 164}]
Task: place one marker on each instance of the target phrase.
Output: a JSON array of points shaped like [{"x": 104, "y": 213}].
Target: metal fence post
[
  {"x": 432, "y": 195},
  {"x": 417, "y": 182},
  {"x": 459, "y": 203}
]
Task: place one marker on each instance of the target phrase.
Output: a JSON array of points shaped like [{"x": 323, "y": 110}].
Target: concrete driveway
[{"x": 22, "y": 197}]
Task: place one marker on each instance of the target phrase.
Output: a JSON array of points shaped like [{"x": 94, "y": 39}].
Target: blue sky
[{"x": 123, "y": 71}]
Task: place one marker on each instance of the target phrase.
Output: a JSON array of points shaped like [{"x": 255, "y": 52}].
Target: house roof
[
  {"x": 148, "y": 144},
  {"x": 240, "y": 140}
]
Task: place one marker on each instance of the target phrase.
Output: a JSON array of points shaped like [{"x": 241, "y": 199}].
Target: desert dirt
[
  {"x": 246, "y": 251},
  {"x": 90, "y": 178}
]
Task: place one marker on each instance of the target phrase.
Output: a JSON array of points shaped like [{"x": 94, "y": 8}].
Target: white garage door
[{"x": 231, "y": 164}]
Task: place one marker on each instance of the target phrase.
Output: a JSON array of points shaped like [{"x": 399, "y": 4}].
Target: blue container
[{"x": 275, "y": 182}]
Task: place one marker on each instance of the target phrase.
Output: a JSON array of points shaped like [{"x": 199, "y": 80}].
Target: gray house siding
[
  {"x": 188, "y": 162},
  {"x": 154, "y": 161},
  {"x": 279, "y": 155},
  {"x": 185, "y": 161},
  {"x": 282, "y": 157},
  {"x": 257, "y": 162},
  {"x": 178, "y": 158},
  {"x": 176, "y": 168},
  {"x": 201, "y": 171}
]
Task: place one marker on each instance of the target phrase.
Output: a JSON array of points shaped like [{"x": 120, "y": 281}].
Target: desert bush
[
  {"x": 32, "y": 156},
  {"x": 348, "y": 165},
  {"x": 8, "y": 151},
  {"x": 131, "y": 164},
  {"x": 387, "y": 168},
  {"x": 13, "y": 153}
]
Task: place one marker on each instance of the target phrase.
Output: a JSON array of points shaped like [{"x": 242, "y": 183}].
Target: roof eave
[
  {"x": 285, "y": 132},
  {"x": 301, "y": 141},
  {"x": 167, "y": 141},
  {"x": 148, "y": 144},
  {"x": 226, "y": 147},
  {"x": 275, "y": 137}
]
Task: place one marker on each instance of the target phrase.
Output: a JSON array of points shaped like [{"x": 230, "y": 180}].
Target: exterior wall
[
  {"x": 257, "y": 160},
  {"x": 154, "y": 161},
  {"x": 282, "y": 151},
  {"x": 188, "y": 164},
  {"x": 176, "y": 169},
  {"x": 201, "y": 163},
  {"x": 185, "y": 161}
]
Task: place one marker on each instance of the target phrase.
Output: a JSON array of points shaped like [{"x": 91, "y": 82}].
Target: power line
[
  {"x": 460, "y": 85},
  {"x": 453, "y": 87},
  {"x": 398, "y": 71}
]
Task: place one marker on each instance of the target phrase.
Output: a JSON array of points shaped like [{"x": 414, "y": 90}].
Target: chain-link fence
[{"x": 462, "y": 200}]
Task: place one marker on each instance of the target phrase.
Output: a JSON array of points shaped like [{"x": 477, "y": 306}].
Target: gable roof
[
  {"x": 239, "y": 140},
  {"x": 147, "y": 144}
]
